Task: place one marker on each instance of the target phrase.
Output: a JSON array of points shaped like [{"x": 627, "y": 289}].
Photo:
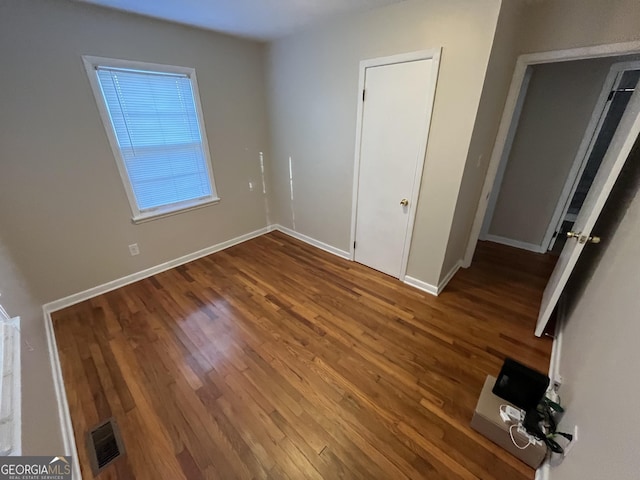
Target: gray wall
[
  {"x": 548, "y": 25},
  {"x": 64, "y": 215},
  {"x": 599, "y": 352},
  {"x": 557, "y": 109},
  {"x": 63, "y": 209},
  {"x": 600, "y": 357},
  {"x": 494, "y": 93},
  {"x": 313, "y": 92},
  {"x": 40, "y": 426},
  {"x": 562, "y": 24}
]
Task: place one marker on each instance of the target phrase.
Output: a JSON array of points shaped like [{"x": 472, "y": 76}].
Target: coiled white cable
[{"x": 514, "y": 440}]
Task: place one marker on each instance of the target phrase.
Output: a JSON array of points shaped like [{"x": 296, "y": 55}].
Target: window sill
[{"x": 173, "y": 210}]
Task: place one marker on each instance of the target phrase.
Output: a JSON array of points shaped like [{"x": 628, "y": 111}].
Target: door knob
[
  {"x": 404, "y": 202},
  {"x": 583, "y": 238}
]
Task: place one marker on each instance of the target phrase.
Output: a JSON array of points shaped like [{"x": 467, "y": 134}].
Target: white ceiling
[{"x": 258, "y": 19}]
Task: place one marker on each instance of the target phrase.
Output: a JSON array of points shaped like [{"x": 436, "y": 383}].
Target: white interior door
[
  {"x": 622, "y": 78},
  {"x": 613, "y": 161},
  {"x": 396, "y": 113}
]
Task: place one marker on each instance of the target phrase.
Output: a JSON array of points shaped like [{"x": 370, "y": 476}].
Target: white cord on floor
[{"x": 514, "y": 440}]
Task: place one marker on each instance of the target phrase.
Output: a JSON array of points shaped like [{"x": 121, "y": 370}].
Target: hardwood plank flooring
[{"x": 273, "y": 359}]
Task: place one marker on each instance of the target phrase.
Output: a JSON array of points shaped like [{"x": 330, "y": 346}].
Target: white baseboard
[
  {"x": 556, "y": 350},
  {"x": 515, "y": 243},
  {"x": 432, "y": 289},
  {"x": 312, "y": 241},
  {"x": 63, "y": 406},
  {"x": 447, "y": 278},
  {"x": 420, "y": 285},
  {"x": 64, "y": 416},
  {"x": 66, "y": 426},
  {"x": 544, "y": 471},
  {"x": 135, "y": 277},
  {"x": 414, "y": 282}
]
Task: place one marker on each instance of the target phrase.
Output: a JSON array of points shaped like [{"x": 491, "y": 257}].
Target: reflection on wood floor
[{"x": 273, "y": 359}]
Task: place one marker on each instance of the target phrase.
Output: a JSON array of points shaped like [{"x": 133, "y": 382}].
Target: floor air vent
[{"x": 105, "y": 445}]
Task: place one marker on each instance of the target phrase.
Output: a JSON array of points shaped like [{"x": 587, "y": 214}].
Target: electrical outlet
[
  {"x": 134, "y": 250},
  {"x": 557, "y": 383}
]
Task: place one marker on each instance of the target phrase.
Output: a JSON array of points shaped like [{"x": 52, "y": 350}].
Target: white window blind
[{"x": 155, "y": 122}]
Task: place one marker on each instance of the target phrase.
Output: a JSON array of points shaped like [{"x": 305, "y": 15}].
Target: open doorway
[
  {"x": 621, "y": 139},
  {"x": 618, "y": 88},
  {"x": 565, "y": 119}
]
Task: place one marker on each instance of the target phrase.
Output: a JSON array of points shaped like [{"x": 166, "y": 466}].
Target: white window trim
[
  {"x": 90, "y": 64},
  {"x": 10, "y": 386}
]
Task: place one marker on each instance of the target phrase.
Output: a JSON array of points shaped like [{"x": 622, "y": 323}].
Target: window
[
  {"x": 153, "y": 121},
  {"x": 10, "y": 402}
]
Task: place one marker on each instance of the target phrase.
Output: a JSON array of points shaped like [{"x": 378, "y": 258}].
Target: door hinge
[
  {"x": 363, "y": 94},
  {"x": 611, "y": 94},
  {"x": 354, "y": 245}
]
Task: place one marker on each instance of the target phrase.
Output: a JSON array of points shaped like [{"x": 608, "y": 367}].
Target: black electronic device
[{"x": 520, "y": 385}]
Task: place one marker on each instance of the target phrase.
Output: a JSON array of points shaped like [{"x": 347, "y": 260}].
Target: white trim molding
[
  {"x": 413, "y": 282},
  {"x": 556, "y": 350},
  {"x": 431, "y": 54},
  {"x": 432, "y": 289},
  {"x": 532, "y": 247},
  {"x": 64, "y": 414},
  {"x": 592, "y": 132},
  {"x": 66, "y": 426},
  {"x": 10, "y": 386},
  {"x": 447, "y": 278},
  {"x": 311, "y": 241},
  {"x": 135, "y": 277},
  {"x": 420, "y": 285},
  {"x": 509, "y": 113},
  {"x": 544, "y": 471},
  {"x": 92, "y": 64}
]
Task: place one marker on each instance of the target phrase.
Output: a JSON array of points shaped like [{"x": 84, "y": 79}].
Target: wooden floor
[{"x": 273, "y": 359}]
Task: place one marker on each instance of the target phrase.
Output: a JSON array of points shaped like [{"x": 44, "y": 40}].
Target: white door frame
[
  {"x": 523, "y": 63},
  {"x": 431, "y": 54},
  {"x": 584, "y": 152}
]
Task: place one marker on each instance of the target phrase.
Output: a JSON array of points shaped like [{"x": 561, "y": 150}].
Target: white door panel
[
  {"x": 617, "y": 153},
  {"x": 396, "y": 112}
]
